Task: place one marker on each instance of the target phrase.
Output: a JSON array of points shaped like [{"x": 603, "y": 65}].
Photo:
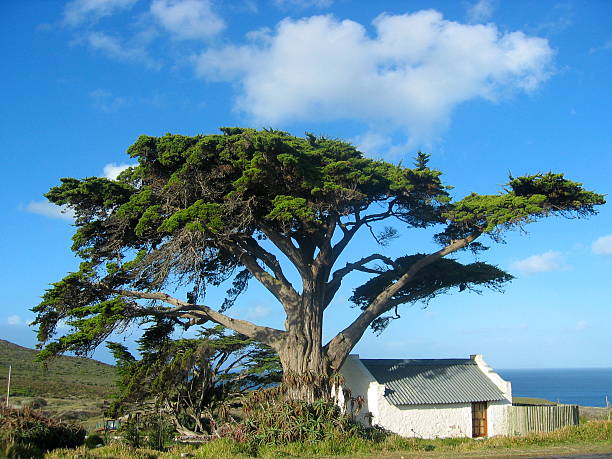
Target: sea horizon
[
  {"x": 554, "y": 368},
  {"x": 579, "y": 386}
]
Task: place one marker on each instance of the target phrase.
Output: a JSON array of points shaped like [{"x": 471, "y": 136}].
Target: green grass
[
  {"x": 594, "y": 434},
  {"x": 531, "y": 401},
  {"x": 64, "y": 377},
  {"x": 74, "y": 389}
]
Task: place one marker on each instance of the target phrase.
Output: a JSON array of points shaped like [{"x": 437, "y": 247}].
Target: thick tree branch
[
  {"x": 270, "y": 336},
  {"x": 322, "y": 266},
  {"x": 285, "y": 245},
  {"x": 347, "y": 236},
  {"x": 337, "y": 249},
  {"x": 282, "y": 290},
  {"x": 336, "y": 281},
  {"x": 360, "y": 221},
  {"x": 268, "y": 258},
  {"x": 380, "y": 216},
  {"x": 339, "y": 347},
  {"x": 349, "y": 233}
]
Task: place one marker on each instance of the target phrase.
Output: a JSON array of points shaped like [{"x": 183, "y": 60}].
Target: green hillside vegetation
[
  {"x": 531, "y": 401},
  {"x": 594, "y": 437},
  {"x": 64, "y": 377}
]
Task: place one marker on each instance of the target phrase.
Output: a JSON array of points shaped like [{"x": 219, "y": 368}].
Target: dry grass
[
  {"x": 590, "y": 413},
  {"x": 88, "y": 413}
]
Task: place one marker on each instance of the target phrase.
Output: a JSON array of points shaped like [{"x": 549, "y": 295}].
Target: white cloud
[
  {"x": 604, "y": 47},
  {"x": 545, "y": 262},
  {"x": 14, "y": 320},
  {"x": 410, "y": 75},
  {"x": 50, "y": 210},
  {"x": 378, "y": 143},
  {"x": 258, "y": 311},
  {"x": 303, "y": 3},
  {"x": 115, "y": 49},
  {"x": 559, "y": 18},
  {"x": 481, "y": 11},
  {"x": 111, "y": 171},
  {"x": 104, "y": 101},
  {"x": 372, "y": 142},
  {"x": 78, "y": 12},
  {"x": 188, "y": 19},
  {"x": 581, "y": 325},
  {"x": 603, "y": 245}
]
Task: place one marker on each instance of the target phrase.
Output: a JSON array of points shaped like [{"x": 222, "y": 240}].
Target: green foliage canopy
[
  {"x": 194, "y": 212},
  {"x": 193, "y": 381}
]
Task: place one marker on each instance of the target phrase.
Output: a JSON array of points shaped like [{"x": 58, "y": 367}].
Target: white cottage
[{"x": 430, "y": 398}]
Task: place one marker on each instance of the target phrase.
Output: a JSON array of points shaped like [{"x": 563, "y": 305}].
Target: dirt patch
[{"x": 532, "y": 453}]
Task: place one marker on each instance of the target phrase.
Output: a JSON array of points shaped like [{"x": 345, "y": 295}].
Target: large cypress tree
[{"x": 203, "y": 210}]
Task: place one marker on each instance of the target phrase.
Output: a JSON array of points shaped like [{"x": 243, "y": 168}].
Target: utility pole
[{"x": 8, "y": 387}]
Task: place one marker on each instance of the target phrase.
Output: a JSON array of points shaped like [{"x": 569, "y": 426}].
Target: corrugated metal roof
[{"x": 427, "y": 381}]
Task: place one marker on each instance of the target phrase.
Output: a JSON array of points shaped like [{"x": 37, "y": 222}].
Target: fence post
[
  {"x": 525, "y": 419},
  {"x": 8, "y": 386}
]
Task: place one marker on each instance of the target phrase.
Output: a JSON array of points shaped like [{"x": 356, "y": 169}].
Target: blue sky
[{"x": 487, "y": 87}]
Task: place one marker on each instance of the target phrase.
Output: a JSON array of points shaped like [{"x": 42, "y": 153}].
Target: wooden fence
[{"x": 525, "y": 419}]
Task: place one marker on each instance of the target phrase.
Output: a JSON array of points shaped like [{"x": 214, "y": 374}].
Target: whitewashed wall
[
  {"x": 498, "y": 422},
  {"x": 504, "y": 386},
  {"x": 357, "y": 380},
  {"x": 424, "y": 421},
  {"x": 498, "y": 412}
]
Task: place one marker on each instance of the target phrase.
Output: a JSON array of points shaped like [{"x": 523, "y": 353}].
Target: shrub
[
  {"x": 131, "y": 433},
  {"x": 93, "y": 440},
  {"x": 18, "y": 451},
  {"x": 149, "y": 431},
  {"x": 275, "y": 421},
  {"x": 37, "y": 403},
  {"x": 21, "y": 428}
]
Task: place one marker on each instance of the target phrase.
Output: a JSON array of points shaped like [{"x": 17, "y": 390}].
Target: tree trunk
[
  {"x": 306, "y": 371},
  {"x": 306, "y": 368}
]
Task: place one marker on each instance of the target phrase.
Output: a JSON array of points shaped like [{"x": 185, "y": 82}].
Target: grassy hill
[
  {"x": 531, "y": 401},
  {"x": 65, "y": 377}
]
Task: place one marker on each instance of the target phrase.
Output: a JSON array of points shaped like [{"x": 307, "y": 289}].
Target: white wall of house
[
  {"x": 497, "y": 412},
  {"x": 504, "y": 386},
  {"x": 424, "y": 421},
  {"x": 357, "y": 380},
  {"x": 497, "y": 418}
]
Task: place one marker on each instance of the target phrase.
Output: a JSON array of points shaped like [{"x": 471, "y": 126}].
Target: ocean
[{"x": 580, "y": 386}]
